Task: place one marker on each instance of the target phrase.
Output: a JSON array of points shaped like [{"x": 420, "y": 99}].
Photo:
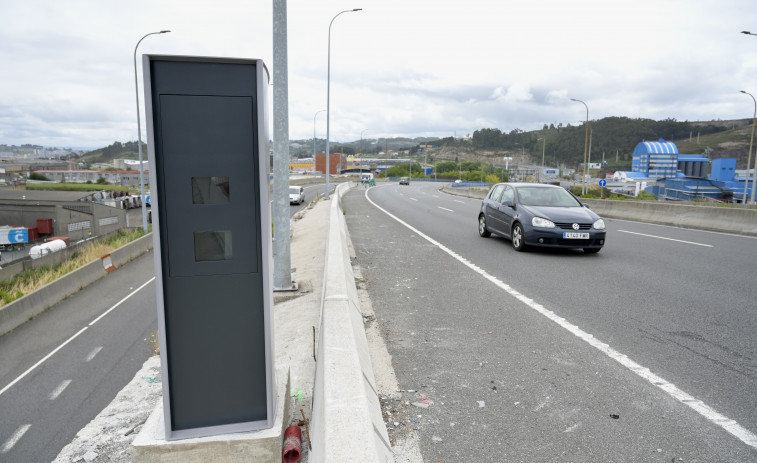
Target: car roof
[{"x": 536, "y": 185}]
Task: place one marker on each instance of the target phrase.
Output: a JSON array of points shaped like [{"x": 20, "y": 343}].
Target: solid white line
[
  {"x": 120, "y": 302},
  {"x": 700, "y": 407},
  {"x": 440, "y": 207},
  {"x": 458, "y": 201},
  {"x": 42, "y": 361},
  {"x": 59, "y": 390},
  {"x": 15, "y": 438},
  {"x": 669, "y": 239},
  {"x": 94, "y": 352},
  {"x": 2, "y": 391}
]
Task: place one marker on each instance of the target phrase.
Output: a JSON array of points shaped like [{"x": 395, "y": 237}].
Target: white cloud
[{"x": 398, "y": 68}]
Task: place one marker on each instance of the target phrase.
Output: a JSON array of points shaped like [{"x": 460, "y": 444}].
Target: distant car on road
[
  {"x": 404, "y": 181},
  {"x": 296, "y": 195},
  {"x": 532, "y": 214}
]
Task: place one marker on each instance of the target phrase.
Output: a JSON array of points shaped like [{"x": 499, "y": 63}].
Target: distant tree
[
  {"x": 101, "y": 181},
  {"x": 38, "y": 176},
  {"x": 446, "y": 166}
]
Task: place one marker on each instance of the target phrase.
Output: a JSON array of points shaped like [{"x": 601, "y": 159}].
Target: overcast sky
[{"x": 398, "y": 68}]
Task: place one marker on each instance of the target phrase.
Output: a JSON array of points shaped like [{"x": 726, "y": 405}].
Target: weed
[{"x": 35, "y": 278}]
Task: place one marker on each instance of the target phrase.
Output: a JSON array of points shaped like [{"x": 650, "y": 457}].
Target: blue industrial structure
[
  {"x": 655, "y": 159},
  {"x": 687, "y": 176}
]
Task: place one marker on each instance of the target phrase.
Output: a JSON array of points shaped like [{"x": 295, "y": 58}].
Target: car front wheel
[
  {"x": 518, "y": 237},
  {"x": 482, "y": 230}
]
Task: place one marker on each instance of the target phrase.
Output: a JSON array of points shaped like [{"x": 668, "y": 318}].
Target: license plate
[{"x": 575, "y": 236}]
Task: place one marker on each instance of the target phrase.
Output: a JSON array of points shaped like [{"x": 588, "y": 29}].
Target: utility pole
[{"x": 282, "y": 262}]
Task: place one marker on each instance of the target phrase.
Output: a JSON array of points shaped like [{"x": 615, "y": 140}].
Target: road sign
[{"x": 602, "y": 183}]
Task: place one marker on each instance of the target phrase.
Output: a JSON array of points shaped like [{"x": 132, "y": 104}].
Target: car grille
[{"x": 569, "y": 225}]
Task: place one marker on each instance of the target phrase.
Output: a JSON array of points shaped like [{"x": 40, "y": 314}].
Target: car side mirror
[
  {"x": 586, "y": 206},
  {"x": 508, "y": 204}
]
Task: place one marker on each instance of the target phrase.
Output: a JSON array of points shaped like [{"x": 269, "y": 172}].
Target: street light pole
[
  {"x": 586, "y": 144},
  {"x": 328, "y": 103},
  {"x": 543, "y": 151},
  {"x": 139, "y": 135},
  {"x": 316, "y": 115},
  {"x": 361, "y": 141},
  {"x": 749, "y": 155}
]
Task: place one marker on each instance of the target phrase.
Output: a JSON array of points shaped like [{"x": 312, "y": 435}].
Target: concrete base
[{"x": 150, "y": 445}]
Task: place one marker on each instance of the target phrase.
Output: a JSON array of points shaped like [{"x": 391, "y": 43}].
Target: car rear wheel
[
  {"x": 482, "y": 230},
  {"x": 518, "y": 237}
]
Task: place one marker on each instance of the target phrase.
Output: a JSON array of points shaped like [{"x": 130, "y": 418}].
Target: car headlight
[
  {"x": 599, "y": 225},
  {"x": 542, "y": 223}
]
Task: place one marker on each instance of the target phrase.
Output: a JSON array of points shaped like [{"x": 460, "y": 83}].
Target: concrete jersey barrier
[
  {"x": 31, "y": 305},
  {"x": 738, "y": 220},
  {"x": 346, "y": 418}
]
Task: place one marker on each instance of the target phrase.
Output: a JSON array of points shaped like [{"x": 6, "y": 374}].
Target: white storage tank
[{"x": 44, "y": 249}]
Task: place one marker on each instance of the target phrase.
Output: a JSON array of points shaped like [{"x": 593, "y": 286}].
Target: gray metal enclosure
[{"x": 211, "y": 228}]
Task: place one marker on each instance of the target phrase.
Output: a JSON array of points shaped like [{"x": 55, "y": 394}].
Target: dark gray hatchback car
[{"x": 533, "y": 214}]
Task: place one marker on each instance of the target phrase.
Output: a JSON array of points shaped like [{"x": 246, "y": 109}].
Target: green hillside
[{"x": 117, "y": 150}]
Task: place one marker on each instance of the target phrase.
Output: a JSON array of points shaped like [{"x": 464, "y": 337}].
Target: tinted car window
[
  {"x": 496, "y": 193},
  {"x": 508, "y": 195},
  {"x": 555, "y": 197}
]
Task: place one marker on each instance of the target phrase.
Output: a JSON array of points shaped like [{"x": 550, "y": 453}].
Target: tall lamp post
[
  {"x": 361, "y": 141},
  {"x": 543, "y": 150},
  {"x": 316, "y": 115},
  {"x": 749, "y": 156},
  {"x": 139, "y": 134},
  {"x": 328, "y": 103},
  {"x": 586, "y": 144}
]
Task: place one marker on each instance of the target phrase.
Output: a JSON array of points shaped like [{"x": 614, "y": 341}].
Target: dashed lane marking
[{"x": 695, "y": 404}]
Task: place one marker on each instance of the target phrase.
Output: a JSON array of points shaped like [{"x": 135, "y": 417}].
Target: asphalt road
[
  {"x": 58, "y": 371},
  {"x": 643, "y": 352}
]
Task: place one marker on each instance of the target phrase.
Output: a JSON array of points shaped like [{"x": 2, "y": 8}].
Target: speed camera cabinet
[{"x": 206, "y": 124}]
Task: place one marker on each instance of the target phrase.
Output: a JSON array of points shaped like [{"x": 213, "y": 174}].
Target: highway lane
[
  {"x": 680, "y": 308},
  {"x": 45, "y": 404}
]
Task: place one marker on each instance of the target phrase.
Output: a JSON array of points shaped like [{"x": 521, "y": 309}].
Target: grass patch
[{"x": 33, "y": 279}]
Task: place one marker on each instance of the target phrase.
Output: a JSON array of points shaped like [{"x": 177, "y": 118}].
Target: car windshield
[
  {"x": 294, "y": 190},
  {"x": 556, "y": 197}
]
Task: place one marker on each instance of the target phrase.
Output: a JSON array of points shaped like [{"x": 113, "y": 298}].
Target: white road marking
[
  {"x": 42, "y": 361},
  {"x": 669, "y": 239},
  {"x": 444, "y": 208},
  {"x": 59, "y": 390},
  {"x": 15, "y": 438},
  {"x": 94, "y": 352},
  {"x": 458, "y": 201},
  {"x": 414, "y": 199},
  {"x": 33, "y": 367},
  {"x": 700, "y": 407},
  {"x": 121, "y": 301}
]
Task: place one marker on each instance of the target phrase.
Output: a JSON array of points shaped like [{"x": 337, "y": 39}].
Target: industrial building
[
  {"x": 688, "y": 176},
  {"x": 655, "y": 159}
]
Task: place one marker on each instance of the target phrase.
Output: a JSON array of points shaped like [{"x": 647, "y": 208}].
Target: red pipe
[{"x": 292, "y": 444}]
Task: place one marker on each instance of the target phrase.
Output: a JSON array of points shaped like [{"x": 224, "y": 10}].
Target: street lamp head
[
  {"x": 746, "y": 32},
  {"x": 165, "y": 31},
  {"x": 742, "y": 91},
  {"x": 358, "y": 9}
]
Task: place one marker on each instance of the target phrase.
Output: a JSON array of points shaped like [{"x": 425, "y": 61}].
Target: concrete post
[{"x": 282, "y": 271}]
